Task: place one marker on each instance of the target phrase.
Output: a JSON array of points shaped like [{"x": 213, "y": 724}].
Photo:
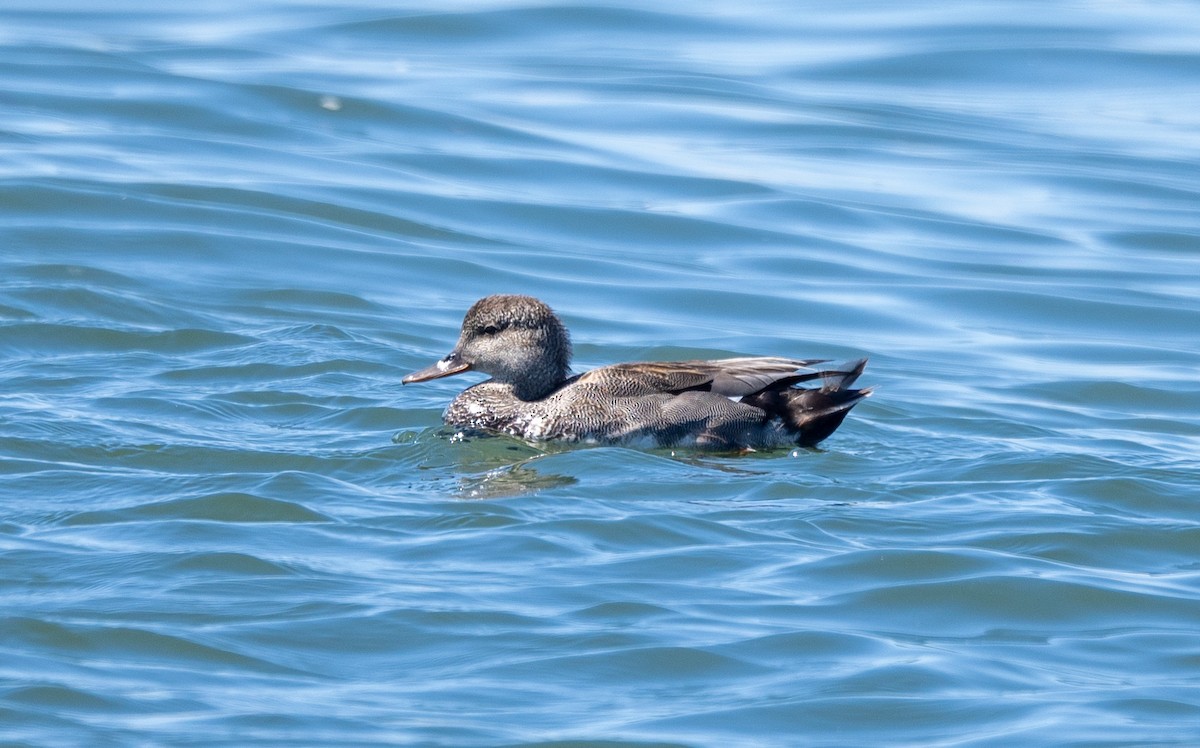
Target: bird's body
[{"x": 732, "y": 403}]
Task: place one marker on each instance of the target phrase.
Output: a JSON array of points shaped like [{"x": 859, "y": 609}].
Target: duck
[{"x": 729, "y": 404}]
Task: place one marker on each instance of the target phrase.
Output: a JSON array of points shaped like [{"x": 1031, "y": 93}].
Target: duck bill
[{"x": 448, "y": 366}]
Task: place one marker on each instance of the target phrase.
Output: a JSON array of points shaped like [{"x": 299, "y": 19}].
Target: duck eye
[{"x": 490, "y": 330}]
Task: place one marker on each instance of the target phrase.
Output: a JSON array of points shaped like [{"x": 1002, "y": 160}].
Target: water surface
[{"x": 229, "y": 230}]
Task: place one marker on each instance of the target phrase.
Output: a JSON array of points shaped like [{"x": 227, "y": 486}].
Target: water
[{"x": 228, "y": 231}]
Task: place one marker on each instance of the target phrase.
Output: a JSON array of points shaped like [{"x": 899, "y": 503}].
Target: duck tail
[{"x": 811, "y": 415}]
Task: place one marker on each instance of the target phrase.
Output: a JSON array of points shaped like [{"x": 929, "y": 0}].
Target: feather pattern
[{"x": 730, "y": 377}]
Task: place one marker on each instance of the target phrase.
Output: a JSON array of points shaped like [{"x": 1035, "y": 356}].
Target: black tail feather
[
  {"x": 841, "y": 378},
  {"x": 813, "y": 414}
]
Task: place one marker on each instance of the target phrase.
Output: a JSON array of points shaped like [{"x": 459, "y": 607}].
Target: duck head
[{"x": 516, "y": 339}]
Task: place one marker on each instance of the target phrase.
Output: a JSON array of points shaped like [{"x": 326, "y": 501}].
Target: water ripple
[{"x": 230, "y": 231}]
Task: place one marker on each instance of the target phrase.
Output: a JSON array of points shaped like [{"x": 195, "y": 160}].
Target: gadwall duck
[{"x": 725, "y": 404}]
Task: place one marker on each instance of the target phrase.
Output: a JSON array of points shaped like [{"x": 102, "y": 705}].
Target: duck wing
[{"x": 730, "y": 377}]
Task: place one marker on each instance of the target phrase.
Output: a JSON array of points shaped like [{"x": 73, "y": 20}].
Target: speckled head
[{"x": 516, "y": 339}]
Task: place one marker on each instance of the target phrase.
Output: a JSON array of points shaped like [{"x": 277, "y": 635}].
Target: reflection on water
[
  {"x": 509, "y": 481},
  {"x": 486, "y": 466}
]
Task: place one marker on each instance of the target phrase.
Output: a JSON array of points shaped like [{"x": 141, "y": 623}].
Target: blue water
[{"x": 228, "y": 229}]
